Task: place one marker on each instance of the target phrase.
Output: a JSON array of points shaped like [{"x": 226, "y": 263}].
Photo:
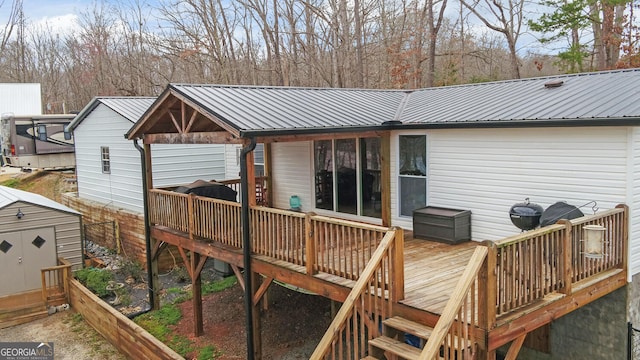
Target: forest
[{"x": 137, "y": 47}]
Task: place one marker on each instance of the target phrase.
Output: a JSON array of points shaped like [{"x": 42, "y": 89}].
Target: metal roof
[
  {"x": 587, "y": 96},
  {"x": 9, "y": 196},
  {"x": 286, "y": 108},
  {"x": 599, "y": 98},
  {"x": 129, "y": 107}
]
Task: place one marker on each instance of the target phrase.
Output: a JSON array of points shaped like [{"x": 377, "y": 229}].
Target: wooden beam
[
  {"x": 183, "y": 117},
  {"x": 194, "y": 116},
  {"x": 208, "y": 115},
  {"x": 319, "y": 136},
  {"x": 185, "y": 260},
  {"x": 238, "y": 273},
  {"x": 514, "y": 349},
  {"x": 215, "y": 137},
  {"x": 262, "y": 290},
  {"x": 175, "y": 122},
  {"x": 164, "y": 102},
  {"x": 567, "y": 255}
]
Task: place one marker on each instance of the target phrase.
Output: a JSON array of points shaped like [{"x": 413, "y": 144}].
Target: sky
[{"x": 60, "y": 17}]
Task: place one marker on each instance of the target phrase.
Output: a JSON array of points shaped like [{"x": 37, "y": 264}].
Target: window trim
[
  {"x": 105, "y": 160},
  {"x": 398, "y": 175}
]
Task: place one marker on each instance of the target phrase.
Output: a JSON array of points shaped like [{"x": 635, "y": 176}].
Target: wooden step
[
  {"x": 369, "y": 357},
  {"x": 408, "y": 327},
  {"x": 22, "y": 319},
  {"x": 393, "y": 346}
]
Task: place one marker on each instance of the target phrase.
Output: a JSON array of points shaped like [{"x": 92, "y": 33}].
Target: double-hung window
[
  {"x": 105, "y": 160},
  {"x": 412, "y": 173},
  {"x": 347, "y": 176}
]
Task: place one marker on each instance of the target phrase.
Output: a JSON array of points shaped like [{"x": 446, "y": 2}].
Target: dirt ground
[
  {"x": 292, "y": 325},
  {"x": 72, "y": 338}
]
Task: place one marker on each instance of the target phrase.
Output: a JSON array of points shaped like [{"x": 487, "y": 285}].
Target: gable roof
[
  {"x": 601, "y": 98},
  {"x": 129, "y": 107},
  {"x": 9, "y": 196}
]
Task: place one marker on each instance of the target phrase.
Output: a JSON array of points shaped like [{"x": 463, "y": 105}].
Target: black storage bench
[{"x": 450, "y": 226}]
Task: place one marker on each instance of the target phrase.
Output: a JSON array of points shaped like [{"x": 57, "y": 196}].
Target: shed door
[{"x": 22, "y": 255}]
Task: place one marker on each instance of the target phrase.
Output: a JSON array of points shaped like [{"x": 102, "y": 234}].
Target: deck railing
[
  {"x": 548, "y": 260},
  {"x": 453, "y": 336},
  {"x": 319, "y": 243},
  {"x": 370, "y": 301},
  {"x": 55, "y": 282}
]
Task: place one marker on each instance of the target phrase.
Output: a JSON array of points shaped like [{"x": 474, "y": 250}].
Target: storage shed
[{"x": 34, "y": 232}]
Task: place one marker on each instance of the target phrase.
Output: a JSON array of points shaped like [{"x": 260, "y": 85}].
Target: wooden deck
[
  {"x": 492, "y": 292},
  {"x": 432, "y": 270}
]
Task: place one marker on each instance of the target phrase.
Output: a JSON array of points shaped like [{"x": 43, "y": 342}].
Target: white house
[{"x": 478, "y": 147}]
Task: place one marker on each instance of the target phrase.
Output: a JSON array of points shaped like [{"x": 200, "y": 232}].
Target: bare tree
[{"x": 505, "y": 17}]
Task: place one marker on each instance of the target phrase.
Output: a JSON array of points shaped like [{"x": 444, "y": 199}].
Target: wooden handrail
[
  {"x": 346, "y": 310},
  {"x": 536, "y": 263},
  {"x": 54, "y": 278},
  {"x": 454, "y": 304}
]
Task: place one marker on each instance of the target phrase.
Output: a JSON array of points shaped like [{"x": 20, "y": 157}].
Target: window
[
  {"x": 258, "y": 160},
  {"x": 105, "y": 159},
  {"x": 347, "y": 176},
  {"x": 412, "y": 173},
  {"x": 42, "y": 132}
]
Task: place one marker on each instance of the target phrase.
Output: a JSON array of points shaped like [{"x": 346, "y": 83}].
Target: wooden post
[
  {"x": 625, "y": 236},
  {"x": 155, "y": 281},
  {"x": 192, "y": 221},
  {"x": 398, "y": 265},
  {"x": 385, "y": 179},
  {"x": 567, "y": 250},
  {"x": 487, "y": 297},
  {"x": 196, "y": 281},
  {"x": 268, "y": 171},
  {"x": 251, "y": 177},
  {"x": 310, "y": 245}
]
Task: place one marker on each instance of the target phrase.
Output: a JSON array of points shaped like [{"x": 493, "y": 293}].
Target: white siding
[
  {"x": 20, "y": 99},
  {"x": 172, "y": 164},
  {"x": 489, "y": 170},
  {"x": 291, "y": 165},
  {"x": 232, "y": 161},
  {"x": 634, "y": 201}
]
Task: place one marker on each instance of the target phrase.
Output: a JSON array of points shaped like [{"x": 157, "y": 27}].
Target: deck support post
[
  {"x": 246, "y": 159},
  {"x": 310, "y": 245},
  {"x": 196, "y": 289}
]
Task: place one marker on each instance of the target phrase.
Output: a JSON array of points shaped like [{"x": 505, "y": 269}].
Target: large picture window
[
  {"x": 347, "y": 176},
  {"x": 412, "y": 173}
]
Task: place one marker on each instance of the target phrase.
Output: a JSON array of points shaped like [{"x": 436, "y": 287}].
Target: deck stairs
[
  {"x": 23, "y": 314},
  {"x": 392, "y": 341}
]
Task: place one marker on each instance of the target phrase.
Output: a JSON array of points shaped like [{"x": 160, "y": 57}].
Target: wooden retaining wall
[
  {"x": 130, "y": 229},
  {"x": 128, "y": 337}
]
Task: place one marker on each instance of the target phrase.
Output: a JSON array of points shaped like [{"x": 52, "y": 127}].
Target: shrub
[
  {"x": 132, "y": 268},
  {"x": 95, "y": 280}
]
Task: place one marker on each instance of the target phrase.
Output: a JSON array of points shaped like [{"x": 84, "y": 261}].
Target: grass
[
  {"x": 158, "y": 323},
  {"x": 217, "y": 286},
  {"x": 12, "y": 183}
]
